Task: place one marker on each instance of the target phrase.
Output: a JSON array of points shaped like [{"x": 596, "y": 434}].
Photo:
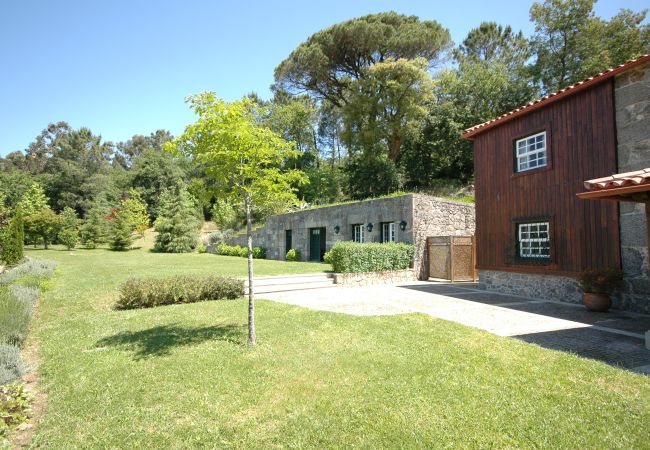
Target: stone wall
[
  {"x": 372, "y": 278},
  {"x": 435, "y": 217},
  {"x": 546, "y": 287},
  {"x": 424, "y": 216},
  {"x": 272, "y": 235},
  {"x": 632, "y": 100}
]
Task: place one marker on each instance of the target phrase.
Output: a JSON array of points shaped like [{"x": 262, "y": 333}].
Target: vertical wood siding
[{"x": 581, "y": 145}]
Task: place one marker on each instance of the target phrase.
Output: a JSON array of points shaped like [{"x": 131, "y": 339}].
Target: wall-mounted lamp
[
  {"x": 402, "y": 225},
  {"x": 337, "y": 229},
  {"x": 369, "y": 227}
]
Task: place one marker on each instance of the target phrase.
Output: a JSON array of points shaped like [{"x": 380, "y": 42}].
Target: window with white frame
[
  {"x": 534, "y": 240},
  {"x": 388, "y": 232},
  {"x": 357, "y": 233},
  {"x": 531, "y": 152}
]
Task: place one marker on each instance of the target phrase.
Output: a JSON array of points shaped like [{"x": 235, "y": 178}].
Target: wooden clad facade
[{"x": 581, "y": 145}]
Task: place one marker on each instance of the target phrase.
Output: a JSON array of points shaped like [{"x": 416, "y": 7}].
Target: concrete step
[
  {"x": 291, "y": 279},
  {"x": 290, "y": 287}
]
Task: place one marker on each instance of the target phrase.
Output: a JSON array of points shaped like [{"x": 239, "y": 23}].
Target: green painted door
[{"x": 316, "y": 244}]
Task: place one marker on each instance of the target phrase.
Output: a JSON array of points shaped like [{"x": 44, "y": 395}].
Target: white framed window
[
  {"x": 534, "y": 240},
  {"x": 357, "y": 233},
  {"x": 388, "y": 232},
  {"x": 531, "y": 152}
]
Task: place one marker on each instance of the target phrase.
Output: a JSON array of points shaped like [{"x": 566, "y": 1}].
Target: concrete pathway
[{"x": 615, "y": 337}]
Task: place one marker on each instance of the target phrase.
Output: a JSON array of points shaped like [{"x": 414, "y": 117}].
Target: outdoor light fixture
[
  {"x": 337, "y": 229},
  {"x": 369, "y": 228},
  {"x": 402, "y": 225}
]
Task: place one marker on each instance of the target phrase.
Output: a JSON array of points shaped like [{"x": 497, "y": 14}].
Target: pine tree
[
  {"x": 121, "y": 233},
  {"x": 69, "y": 234},
  {"x": 12, "y": 240},
  {"x": 177, "y": 224},
  {"x": 93, "y": 231}
]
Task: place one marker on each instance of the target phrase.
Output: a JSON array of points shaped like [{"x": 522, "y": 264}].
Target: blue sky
[{"x": 124, "y": 67}]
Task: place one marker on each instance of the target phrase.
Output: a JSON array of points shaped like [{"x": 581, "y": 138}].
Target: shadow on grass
[{"x": 158, "y": 341}]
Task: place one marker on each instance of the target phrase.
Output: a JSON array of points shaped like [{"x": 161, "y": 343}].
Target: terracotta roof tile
[
  {"x": 557, "y": 95},
  {"x": 619, "y": 180}
]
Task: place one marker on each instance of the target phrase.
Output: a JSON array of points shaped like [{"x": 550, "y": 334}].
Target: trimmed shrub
[
  {"x": 202, "y": 248},
  {"x": 147, "y": 293},
  {"x": 237, "y": 250},
  {"x": 12, "y": 366},
  {"x": 294, "y": 255},
  {"x": 346, "y": 257}
]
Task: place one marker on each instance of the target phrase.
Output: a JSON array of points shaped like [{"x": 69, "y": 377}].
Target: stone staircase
[{"x": 288, "y": 283}]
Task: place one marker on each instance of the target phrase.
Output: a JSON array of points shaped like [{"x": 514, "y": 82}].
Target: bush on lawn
[
  {"x": 237, "y": 250},
  {"x": 16, "y": 309},
  {"x": 146, "y": 293},
  {"x": 12, "y": 366},
  {"x": 348, "y": 257},
  {"x": 36, "y": 268},
  {"x": 294, "y": 255}
]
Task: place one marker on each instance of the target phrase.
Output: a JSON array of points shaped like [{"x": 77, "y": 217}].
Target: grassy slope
[{"x": 181, "y": 376}]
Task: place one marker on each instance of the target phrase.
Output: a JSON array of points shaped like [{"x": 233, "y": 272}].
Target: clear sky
[{"x": 124, "y": 67}]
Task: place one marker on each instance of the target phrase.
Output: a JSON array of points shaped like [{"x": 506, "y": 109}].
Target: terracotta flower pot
[{"x": 596, "y": 302}]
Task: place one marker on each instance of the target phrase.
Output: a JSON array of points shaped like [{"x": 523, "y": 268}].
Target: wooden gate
[{"x": 452, "y": 258}]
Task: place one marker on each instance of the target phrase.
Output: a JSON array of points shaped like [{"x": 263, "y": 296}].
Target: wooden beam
[{"x": 633, "y": 193}]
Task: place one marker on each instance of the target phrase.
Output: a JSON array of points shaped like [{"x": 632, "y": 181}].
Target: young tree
[
  {"x": 245, "y": 162},
  {"x": 136, "y": 210},
  {"x": 121, "y": 231},
  {"x": 94, "y": 228},
  {"x": 44, "y": 224},
  {"x": 69, "y": 234},
  {"x": 33, "y": 200},
  {"x": 178, "y": 221}
]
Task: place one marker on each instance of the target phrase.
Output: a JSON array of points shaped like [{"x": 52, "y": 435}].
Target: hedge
[
  {"x": 237, "y": 250},
  {"x": 347, "y": 257},
  {"x": 147, "y": 293},
  {"x": 294, "y": 255}
]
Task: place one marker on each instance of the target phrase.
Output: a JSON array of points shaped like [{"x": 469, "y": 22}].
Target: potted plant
[{"x": 598, "y": 285}]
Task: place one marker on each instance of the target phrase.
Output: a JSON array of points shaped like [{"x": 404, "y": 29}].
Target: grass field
[{"x": 182, "y": 376}]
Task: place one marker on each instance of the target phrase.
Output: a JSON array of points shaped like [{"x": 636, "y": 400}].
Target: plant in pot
[{"x": 598, "y": 285}]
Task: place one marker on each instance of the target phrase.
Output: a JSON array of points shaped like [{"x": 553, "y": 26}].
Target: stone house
[
  {"x": 534, "y": 233},
  {"x": 409, "y": 218}
]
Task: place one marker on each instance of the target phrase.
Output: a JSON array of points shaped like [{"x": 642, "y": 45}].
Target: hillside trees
[{"x": 69, "y": 233}]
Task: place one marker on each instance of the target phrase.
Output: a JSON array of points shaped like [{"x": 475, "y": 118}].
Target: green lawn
[{"x": 182, "y": 376}]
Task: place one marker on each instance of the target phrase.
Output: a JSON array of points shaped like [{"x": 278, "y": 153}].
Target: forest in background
[{"x": 374, "y": 105}]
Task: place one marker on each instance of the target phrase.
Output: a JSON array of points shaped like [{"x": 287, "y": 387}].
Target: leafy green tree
[
  {"x": 178, "y": 222},
  {"x": 121, "y": 231},
  {"x": 371, "y": 177},
  {"x": 95, "y": 228},
  {"x": 33, "y": 200},
  {"x": 136, "y": 211},
  {"x": 44, "y": 224},
  {"x": 224, "y": 215},
  {"x": 570, "y": 43},
  {"x": 69, "y": 233},
  {"x": 492, "y": 42},
  {"x": 245, "y": 162},
  {"x": 12, "y": 239}
]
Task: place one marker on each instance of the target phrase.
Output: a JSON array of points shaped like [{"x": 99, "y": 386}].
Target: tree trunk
[{"x": 251, "y": 295}]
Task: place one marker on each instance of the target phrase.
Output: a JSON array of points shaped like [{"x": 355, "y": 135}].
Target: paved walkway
[{"x": 615, "y": 337}]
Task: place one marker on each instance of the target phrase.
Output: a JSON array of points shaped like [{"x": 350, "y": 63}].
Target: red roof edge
[{"x": 555, "y": 96}]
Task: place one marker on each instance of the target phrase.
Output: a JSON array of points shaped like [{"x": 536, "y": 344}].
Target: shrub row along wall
[{"x": 351, "y": 257}]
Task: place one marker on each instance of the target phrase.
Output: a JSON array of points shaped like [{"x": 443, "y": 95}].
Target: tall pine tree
[{"x": 178, "y": 223}]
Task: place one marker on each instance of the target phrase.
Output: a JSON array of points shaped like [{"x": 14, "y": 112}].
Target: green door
[{"x": 316, "y": 244}]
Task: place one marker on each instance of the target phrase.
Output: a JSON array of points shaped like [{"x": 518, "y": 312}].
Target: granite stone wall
[
  {"x": 632, "y": 101},
  {"x": 436, "y": 217},
  {"x": 424, "y": 216},
  {"x": 545, "y": 287},
  {"x": 373, "y": 278}
]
